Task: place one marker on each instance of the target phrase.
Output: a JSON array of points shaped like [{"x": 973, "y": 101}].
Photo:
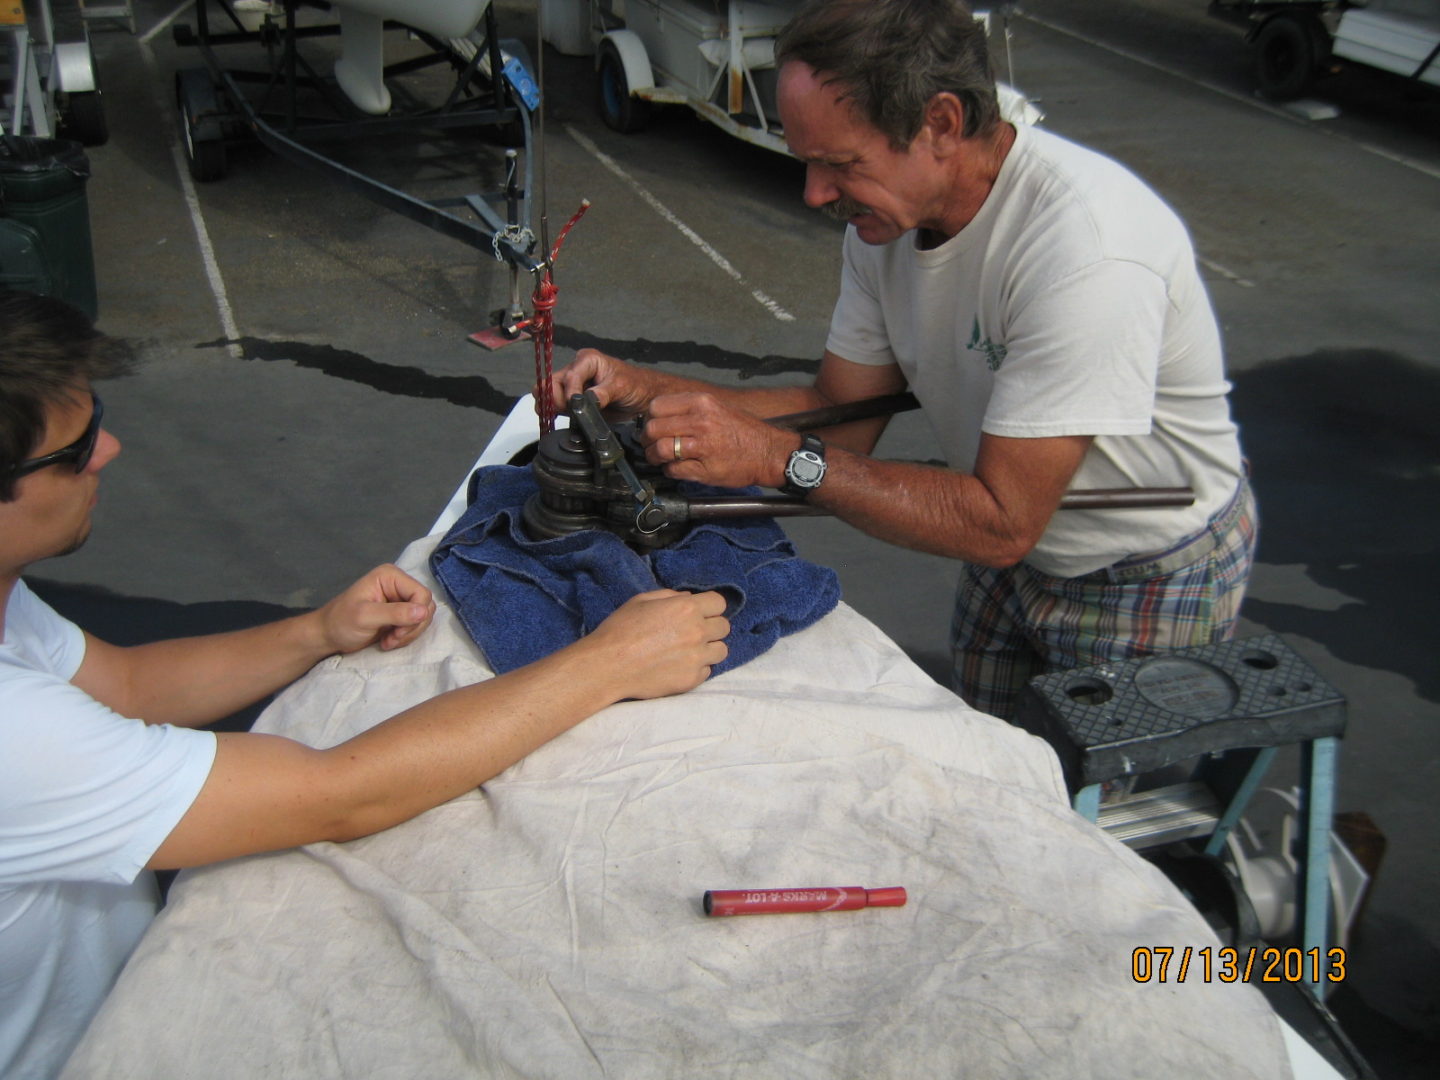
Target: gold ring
[{"x": 676, "y": 447}]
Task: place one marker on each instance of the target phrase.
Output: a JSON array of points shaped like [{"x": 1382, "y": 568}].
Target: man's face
[
  {"x": 852, "y": 171},
  {"x": 50, "y": 514}
]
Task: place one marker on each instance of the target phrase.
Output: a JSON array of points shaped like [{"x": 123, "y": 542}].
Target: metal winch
[{"x": 593, "y": 475}]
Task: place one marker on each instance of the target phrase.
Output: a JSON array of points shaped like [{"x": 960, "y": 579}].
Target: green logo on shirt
[{"x": 994, "y": 354}]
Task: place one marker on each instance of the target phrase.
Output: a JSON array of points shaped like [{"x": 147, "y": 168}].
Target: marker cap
[
  {"x": 891, "y": 897},
  {"x": 886, "y": 897}
]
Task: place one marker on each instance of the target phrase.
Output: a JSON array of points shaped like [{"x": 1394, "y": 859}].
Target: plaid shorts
[{"x": 1013, "y": 624}]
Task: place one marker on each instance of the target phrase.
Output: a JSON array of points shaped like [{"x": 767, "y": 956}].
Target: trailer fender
[
  {"x": 633, "y": 58},
  {"x": 75, "y": 67}
]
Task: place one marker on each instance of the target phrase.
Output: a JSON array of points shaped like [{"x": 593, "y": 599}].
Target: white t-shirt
[
  {"x": 86, "y": 797},
  {"x": 1070, "y": 305}
]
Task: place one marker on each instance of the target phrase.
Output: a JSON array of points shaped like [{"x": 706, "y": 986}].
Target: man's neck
[{"x": 975, "y": 176}]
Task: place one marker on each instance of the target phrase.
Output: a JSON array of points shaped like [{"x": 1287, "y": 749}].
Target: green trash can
[{"x": 45, "y": 220}]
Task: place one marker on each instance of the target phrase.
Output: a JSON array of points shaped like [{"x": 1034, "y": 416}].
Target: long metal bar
[
  {"x": 1126, "y": 498},
  {"x": 831, "y": 415},
  {"x": 713, "y": 507},
  {"x": 889, "y": 404},
  {"x": 719, "y": 507}
]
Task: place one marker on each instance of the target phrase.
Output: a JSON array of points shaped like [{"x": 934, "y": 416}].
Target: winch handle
[
  {"x": 830, "y": 415},
  {"x": 585, "y": 410},
  {"x": 609, "y": 454}
]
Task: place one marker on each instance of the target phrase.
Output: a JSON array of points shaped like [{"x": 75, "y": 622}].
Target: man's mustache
[{"x": 844, "y": 208}]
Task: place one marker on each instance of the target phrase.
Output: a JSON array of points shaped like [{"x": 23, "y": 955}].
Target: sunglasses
[{"x": 78, "y": 451}]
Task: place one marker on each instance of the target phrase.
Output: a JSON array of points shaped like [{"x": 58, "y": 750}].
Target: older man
[
  {"x": 90, "y": 798},
  {"x": 1043, "y": 305}
]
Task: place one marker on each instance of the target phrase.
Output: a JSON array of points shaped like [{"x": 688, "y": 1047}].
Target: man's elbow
[
  {"x": 1008, "y": 550},
  {"x": 342, "y": 806},
  {"x": 999, "y": 560}
]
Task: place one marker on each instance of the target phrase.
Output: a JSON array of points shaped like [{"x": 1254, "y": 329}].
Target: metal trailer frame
[
  {"x": 49, "y": 87},
  {"x": 216, "y": 109}
]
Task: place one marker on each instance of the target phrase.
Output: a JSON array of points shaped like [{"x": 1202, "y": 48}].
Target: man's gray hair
[{"x": 891, "y": 57}]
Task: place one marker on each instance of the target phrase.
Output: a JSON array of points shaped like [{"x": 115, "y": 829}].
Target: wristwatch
[{"x": 806, "y": 467}]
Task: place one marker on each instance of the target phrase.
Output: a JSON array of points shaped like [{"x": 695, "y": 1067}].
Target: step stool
[{"x": 1241, "y": 699}]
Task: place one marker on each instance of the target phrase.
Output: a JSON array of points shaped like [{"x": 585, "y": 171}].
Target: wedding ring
[{"x": 676, "y": 447}]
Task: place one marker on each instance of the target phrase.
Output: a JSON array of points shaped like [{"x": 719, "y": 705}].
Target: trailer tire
[
  {"x": 83, "y": 118},
  {"x": 1288, "y": 53},
  {"x": 620, "y": 109},
  {"x": 201, "y": 132}
]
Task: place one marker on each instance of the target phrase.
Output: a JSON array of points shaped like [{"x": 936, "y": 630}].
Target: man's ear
[{"x": 944, "y": 125}]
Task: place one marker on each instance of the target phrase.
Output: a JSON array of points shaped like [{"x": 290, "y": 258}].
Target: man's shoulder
[
  {"x": 1065, "y": 196},
  {"x": 38, "y": 638},
  {"x": 1064, "y": 156},
  {"x": 1053, "y": 168}
]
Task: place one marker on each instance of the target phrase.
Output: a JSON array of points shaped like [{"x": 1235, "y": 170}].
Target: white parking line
[
  {"x": 1254, "y": 102},
  {"x": 685, "y": 230},
  {"x": 1229, "y": 275},
  {"x": 159, "y": 27},
  {"x": 197, "y": 219}
]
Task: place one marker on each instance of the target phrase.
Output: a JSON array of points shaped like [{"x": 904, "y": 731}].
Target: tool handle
[
  {"x": 830, "y": 415},
  {"x": 1126, "y": 498}
]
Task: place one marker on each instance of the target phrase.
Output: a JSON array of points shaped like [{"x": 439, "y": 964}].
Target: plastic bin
[{"x": 42, "y": 196}]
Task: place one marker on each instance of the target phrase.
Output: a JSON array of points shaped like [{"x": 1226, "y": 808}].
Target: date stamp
[{"x": 1166, "y": 963}]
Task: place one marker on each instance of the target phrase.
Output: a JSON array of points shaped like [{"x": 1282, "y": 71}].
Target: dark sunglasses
[{"x": 78, "y": 451}]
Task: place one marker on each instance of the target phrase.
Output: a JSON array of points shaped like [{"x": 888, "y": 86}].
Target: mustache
[{"x": 844, "y": 208}]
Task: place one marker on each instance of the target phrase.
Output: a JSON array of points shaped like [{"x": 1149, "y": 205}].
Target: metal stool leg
[
  {"x": 1087, "y": 802},
  {"x": 1240, "y": 800},
  {"x": 1318, "y": 812}
]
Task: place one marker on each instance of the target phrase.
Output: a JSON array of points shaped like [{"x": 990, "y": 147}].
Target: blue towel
[{"x": 521, "y": 599}]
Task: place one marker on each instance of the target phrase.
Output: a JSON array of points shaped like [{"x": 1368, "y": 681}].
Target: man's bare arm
[
  {"x": 197, "y": 680},
  {"x": 266, "y": 793},
  {"x": 993, "y": 517}
]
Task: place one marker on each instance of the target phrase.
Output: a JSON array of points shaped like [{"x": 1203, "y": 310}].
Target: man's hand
[
  {"x": 619, "y": 387},
  {"x": 387, "y": 606},
  {"x": 660, "y": 643},
  {"x": 197, "y": 680},
  {"x": 716, "y": 444}
]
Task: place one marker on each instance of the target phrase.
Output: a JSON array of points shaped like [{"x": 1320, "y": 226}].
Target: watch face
[{"x": 806, "y": 469}]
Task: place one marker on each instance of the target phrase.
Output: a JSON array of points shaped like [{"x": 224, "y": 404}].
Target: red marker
[{"x": 768, "y": 901}]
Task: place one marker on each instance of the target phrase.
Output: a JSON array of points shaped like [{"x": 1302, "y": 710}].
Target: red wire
[
  {"x": 542, "y": 325},
  {"x": 542, "y": 328}
]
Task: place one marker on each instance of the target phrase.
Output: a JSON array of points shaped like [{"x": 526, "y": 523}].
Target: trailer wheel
[
  {"x": 1288, "y": 51},
  {"x": 83, "y": 117},
  {"x": 201, "y": 131},
  {"x": 622, "y": 111}
]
